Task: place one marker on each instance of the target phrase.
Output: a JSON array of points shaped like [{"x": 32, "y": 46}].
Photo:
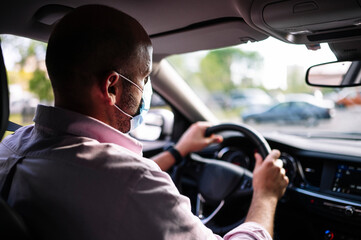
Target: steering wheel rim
[
  {"x": 255, "y": 137},
  {"x": 218, "y": 169}
]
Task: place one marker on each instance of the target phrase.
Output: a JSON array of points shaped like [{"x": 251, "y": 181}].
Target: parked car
[
  {"x": 350, "y": 99},
  {"x": 323, "y": 162},
  {"x": 291, "y": 112}
]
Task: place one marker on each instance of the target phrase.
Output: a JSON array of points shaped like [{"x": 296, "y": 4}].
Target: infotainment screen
[{"x": 347, "y": 179}]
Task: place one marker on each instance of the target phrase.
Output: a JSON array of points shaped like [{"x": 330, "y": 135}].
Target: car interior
[{"x": 323, "y": 199}]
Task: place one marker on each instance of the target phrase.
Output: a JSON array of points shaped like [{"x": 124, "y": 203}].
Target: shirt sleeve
[
  {"x": 165, "y": 214},
  {"x": 248, "y": 231}
]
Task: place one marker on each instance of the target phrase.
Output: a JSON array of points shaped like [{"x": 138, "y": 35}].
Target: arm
[
  {"x": 269, "y": 183},
  {"x": 191, "y": 141},
  {"x": 173, "y": 210}
]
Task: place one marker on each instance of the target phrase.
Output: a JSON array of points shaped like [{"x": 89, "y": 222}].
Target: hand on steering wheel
[
  {"x": 218, "y": 180},
  {"x": 195, "y": 138}
]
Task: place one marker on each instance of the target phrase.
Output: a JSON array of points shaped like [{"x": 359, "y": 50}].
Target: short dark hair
[{"x": 90, "y": 41}]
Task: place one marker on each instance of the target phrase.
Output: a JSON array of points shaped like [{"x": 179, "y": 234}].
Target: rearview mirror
[{"x": 335, "y": 74}]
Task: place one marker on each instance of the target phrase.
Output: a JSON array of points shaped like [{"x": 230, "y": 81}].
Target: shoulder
[
  {"x": 11, "y": 142},
  {"x": 110, "y": 156},
  {"x": 75, "y": 154}
]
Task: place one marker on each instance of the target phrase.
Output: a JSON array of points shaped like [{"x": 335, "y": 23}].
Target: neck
[
  {"x": 108, "y": 115},
  {"x": 79, "y": 103}
]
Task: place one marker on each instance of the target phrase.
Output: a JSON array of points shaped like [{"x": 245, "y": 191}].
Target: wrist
[
  {"x": 181, "y": 149},
  {"x": 175, "y": 153},
  {"x": 264, "y": 197}
]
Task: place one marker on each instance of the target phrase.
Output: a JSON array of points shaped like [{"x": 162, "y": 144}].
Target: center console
[{"x": 334, "y": 196}]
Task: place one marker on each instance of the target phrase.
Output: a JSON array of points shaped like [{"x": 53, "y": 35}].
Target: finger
[
  {"x": 283, "y": 172},
  {"x": 275, "y": 154},
  {"x": 279, "y": 163},
  {"x": 216, "y": 138},
  {"x": 213, "y": 139},
  {"x": 259, "y": 160},
  {"x": 286, "y": 180},
  {"x": 203, "y": 125}
]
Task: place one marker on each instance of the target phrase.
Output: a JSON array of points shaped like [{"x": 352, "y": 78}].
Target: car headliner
[
  {"x": 187, "y": 25},
  {"x": 164, "y": 21}
]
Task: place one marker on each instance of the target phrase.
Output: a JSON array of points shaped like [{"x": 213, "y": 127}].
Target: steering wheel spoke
[
  {"x": 219, "y": 179},
  {"x": 200, "y": 207},
  {"x": 246, "y": 184}
]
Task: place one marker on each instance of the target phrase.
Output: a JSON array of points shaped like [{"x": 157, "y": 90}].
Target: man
[{"x": 78, "y": 176}]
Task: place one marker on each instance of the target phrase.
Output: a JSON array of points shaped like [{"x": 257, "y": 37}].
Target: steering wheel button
[{"x": 349, "y": 210}]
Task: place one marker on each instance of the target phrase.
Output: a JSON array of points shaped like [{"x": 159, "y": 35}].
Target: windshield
[{"x": 263, "y": 84}]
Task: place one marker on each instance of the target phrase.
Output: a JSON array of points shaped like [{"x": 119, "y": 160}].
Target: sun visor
[
  {"x": 308, "y": 21},
  {"x": 215, "y": 35},
  {"x": 51, "y": 13}
]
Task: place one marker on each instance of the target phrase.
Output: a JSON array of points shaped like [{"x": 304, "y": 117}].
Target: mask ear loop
[
  {"x": 140, "y": 89},
  {"x": 126, "y": 114}
]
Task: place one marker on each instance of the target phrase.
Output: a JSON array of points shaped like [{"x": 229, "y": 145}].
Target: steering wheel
[{"x": 218, "y": 181}]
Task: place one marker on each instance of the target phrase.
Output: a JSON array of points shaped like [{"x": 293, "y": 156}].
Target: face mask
[{"x": 137, "y": 120}]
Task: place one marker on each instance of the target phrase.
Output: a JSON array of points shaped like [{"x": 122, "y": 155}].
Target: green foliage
[
  {"x": 25, "y": 48},
  {"x": 215, "y": 68},
  {"x": 41, "y": 86},
  {"x": 30, "y": 50},
  {"x": 213, "y": 71}
]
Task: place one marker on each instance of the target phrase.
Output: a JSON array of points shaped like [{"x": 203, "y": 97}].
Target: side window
[
  {"x": 28, "y": 80},
  {"x": 29, "y": 85},
  {"x": 158, "y": 123}
]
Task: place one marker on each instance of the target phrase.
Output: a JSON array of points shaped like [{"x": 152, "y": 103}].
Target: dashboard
[
  {"x": 325, "y": 190},
  {"x": 323, "y": 199},
  {"x": 334, "y": 177}
]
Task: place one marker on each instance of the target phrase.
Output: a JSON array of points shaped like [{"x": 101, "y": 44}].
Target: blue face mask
[{"x": 137, "y": 120}]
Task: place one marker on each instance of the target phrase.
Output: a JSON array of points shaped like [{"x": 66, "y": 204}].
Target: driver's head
[{"x": 86, "y": 51}]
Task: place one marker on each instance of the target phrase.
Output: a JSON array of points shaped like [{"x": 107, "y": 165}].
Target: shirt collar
[{"x": 74, "y": 123}]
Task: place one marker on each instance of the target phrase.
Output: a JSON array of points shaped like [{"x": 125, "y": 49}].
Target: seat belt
[{"x": 12, "y": 127}]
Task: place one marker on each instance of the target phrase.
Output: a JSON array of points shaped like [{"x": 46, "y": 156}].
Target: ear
[{"x": 111, "y": 88}]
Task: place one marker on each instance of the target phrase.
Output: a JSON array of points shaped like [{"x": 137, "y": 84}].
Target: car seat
[{"x": 11, "y": 224}]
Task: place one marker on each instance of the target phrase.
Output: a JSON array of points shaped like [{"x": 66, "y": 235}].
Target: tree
[
  {"x": 26, "y": 49},
  {"x": 23, "y": 47},
  {"x": 215, "y": 68},
  {"x": 41, "y": 86}
]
